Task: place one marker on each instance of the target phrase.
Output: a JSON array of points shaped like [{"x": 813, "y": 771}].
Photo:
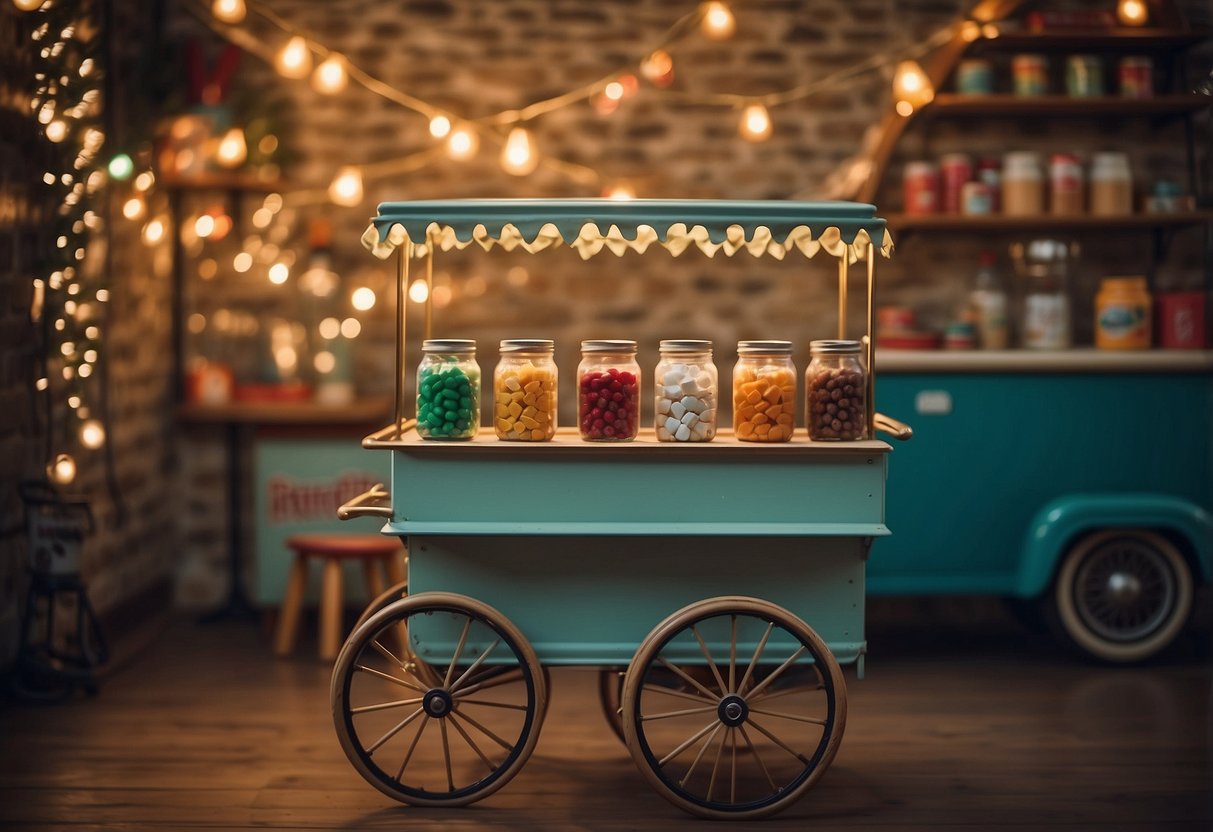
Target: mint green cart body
[{"x": 678, "y": 561}]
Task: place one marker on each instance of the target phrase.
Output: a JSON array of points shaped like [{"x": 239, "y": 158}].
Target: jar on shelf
[
  {"x": 1030, "y": 74},
  {"x": 1044, "y": 269},
  {"x": 1084, "y": 76},
  {"x": 1135, "y": 77},
  {"x": 764, "y": 392},
  {"x": 974, "y": 76},
  {"x": 1023, "y": 191},
  {"x": 1065, "y": 185},
  {"x": 836, "y": 391},
  {"x": 956, "y": 170},
  {"x": 921, "y": 183},
  {"x": 686, "y": 392},
  {"x": 608, "y": 391},
  {"x": 448, "y": 390},
  {"x": 1123, "y": 314},
  {"x": 525, "y": 391},
  {"x": 1111, "y": 185}
]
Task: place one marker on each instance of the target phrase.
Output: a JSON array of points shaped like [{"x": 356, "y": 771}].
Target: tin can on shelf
[
  {"x": 1135, "y": 77},
  {"x": 989, "y": 171},
  {"x": 524, "y": 391},
  {"x": 1181, "y": 320},
  {"x": 974, "y": 76},
  {"x": 921, "y": 183},
  {"x": 1030, "y": 74},
  {"x": 976, "y": 199},
  {"x": 686, "y": 388},
  {"x": 608, "y": 391},
  {"x": 955, "y": 170},
  {"x": 1084, "y": 76},
  {"x": 1065, "y": 185},
  {"x": 1023, "y": 189},
  {"x": 1122, "y": 314}
]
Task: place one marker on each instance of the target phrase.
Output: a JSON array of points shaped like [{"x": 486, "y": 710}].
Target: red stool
[{"x": 332, "y": 550}]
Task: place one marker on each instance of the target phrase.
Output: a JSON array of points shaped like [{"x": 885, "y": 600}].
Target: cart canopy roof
[{"x": 772, "y": 228}]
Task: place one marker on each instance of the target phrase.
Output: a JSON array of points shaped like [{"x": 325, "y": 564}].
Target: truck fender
[{"x": 1062, "y": 520}]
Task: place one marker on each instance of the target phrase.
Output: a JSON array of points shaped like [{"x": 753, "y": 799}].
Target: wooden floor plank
[{"x": 993, "y": 731}]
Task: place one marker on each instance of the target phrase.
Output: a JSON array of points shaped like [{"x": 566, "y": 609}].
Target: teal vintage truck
[{"x": 1082, "y": 480}]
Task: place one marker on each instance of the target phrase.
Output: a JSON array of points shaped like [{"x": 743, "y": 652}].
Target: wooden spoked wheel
[
  {"x": 610, "y": 697},
  {"x": 450, "y": 715},
  {"x": 758, "y": 735},
  {"x": 392, "y": 593}
]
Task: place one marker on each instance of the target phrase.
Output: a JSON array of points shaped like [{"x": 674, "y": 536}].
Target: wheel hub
[
  {"x": 438, "y": 703},
  {"x": 1123, "y": 588},
  {"x": 732, "y": 710}
]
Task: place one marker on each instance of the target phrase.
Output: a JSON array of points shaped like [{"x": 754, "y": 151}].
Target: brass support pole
[
  {"x": 870, "y": 346},
  {"x": 842, "y": 295},
  {"x": 402, "y": 280},
  {"x": 429, "y": 294}
]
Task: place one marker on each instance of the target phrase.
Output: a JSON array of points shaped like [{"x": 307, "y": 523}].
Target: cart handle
[
  {"x": 889, "y": 425},
  {"x": 377, "y": 493}
]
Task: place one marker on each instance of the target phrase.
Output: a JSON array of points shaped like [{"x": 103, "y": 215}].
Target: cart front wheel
[
  {"x": 733, "y": 708},
  {"x": 1122, "y": 595},
  {"x": 438, "y": 699}
]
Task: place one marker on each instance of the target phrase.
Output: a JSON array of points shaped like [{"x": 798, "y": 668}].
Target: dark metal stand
[{"x": 237, "y": 605}]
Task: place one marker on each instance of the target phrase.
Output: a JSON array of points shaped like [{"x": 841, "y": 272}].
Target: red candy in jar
[{"x": 608, "y": 391}]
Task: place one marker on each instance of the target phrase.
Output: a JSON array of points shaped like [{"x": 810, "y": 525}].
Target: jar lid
[
  {"x": 608, "y": 346},
  {"x": 448, "y": 345},
  {"x": 835, "y": 347},
  {"x": 528, "y": 345},
  {"x": 685, "y": 345},
  {"x": 758, "y": 347}
]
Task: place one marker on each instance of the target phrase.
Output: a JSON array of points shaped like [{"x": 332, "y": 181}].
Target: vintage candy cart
[{"x": 732, "y": 610}]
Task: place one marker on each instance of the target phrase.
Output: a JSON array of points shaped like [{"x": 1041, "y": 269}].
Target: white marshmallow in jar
[{"x": 687, "y": 388}]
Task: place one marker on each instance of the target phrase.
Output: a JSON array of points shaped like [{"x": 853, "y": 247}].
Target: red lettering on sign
[{"x": 292, "y": 500}]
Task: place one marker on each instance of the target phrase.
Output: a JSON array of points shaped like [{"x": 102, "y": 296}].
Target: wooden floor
[{"x": 999, "y": 731}]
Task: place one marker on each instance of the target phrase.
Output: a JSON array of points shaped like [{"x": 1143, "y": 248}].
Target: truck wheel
[{"x": 1122, "y": 595}]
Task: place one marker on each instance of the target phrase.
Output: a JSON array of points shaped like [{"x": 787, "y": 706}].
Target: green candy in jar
[{"x": 448, "y": 390}]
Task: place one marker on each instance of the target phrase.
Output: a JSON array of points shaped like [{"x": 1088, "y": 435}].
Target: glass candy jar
[
  {"x": 686, "y": 386},
  {"x": 764, "y": 391},
  {"x": 836, "y": 388},
  {"x": 524, "y": 391},
  {"x": 608, "y": 391},
  {"x": 448, "y": 390}
]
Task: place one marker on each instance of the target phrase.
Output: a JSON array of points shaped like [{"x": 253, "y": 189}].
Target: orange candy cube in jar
[
  {"x": 524, "y": 391},
  {"x": 764, "y": 391}
]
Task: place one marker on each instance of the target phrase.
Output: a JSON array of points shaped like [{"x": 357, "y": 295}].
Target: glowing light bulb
[
  {"x": 153, "y": 232},
  {"x": 613, "y": 91},
  {"x": 61, "y": 470},
  {"x": 330, "y": 328},
  {"x": 346, "y": 188},
  {"x": 970, "y": 31},
  {"x": 911, "y": 87},
  {"x": 133, "y": 208},
  {"x": 228, "y": 11},
  {"x": 232, "y": 148},
  {"x": 718, "y": 21},
  {"x": 28, "y": 5},
  {"x": 620, "y": 193},
  {"x": 1132, "y": 12},
  {"x": 363, "y": 298},
  {"x": 121, "y": 167},
  {"x": 518, "y": 157},
  {"x": 350, "y": 327},
  {"x": 56, "y": 131},
  {"x": 462, "y": 143},
  {"x": 755, "y": 123},
  {"x": 324, "y": 362},
  {"x": 295, "y": 59},
  {"x": 204, "y": 226},
  {"x": 144, "y": 180},
  {"x": 278, "y": 273},
  {"x": 242, "y": 262},
  {"x": 657, "y": 66},
  {"x": 418, "y": 291},
  {"x": 92, "y": 434},
  {"x": 330, "y": 77},
  {"x": 440, "y": 126}
]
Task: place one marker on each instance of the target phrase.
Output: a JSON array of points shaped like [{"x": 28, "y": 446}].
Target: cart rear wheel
[
  {"x": 438, "y": 699},
  {"x": 393, "y": 593},
  {"x": 1122, "y": 595},
  {"x": 758, "y": 735}
]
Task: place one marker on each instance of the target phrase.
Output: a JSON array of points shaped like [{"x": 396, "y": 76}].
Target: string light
[
  {"x": 295, "y": 59},
  {"x": 232, "y": 148},
  {"x": 153, "y": 232},
  {"x": 121, "y": 167},
  {"x": 718, "y": 21},
  {"x": 440, "y": 126},
  {"x": 56, "y": 131},
  {"x": 350, "y": 327},
  {"x": 279, "y": 273},
  {"x": 204, "y": 226},
  {"x": 61, "y": 470},
  {"x": 330, "y": 328},
  {"x": 133, "y": 208},
  {"x": 28, "y": 5},
  {"x": 620, "y": 193},
  {"x": 613, "y": 91},
  {"x": 658, "y": 68},
  {"x": 324, "y": 362},
  {"x": 228, "y": 11},
  {"x": 92, "y": 434},
  {"x": 363, "y": 298},
  {"x": 1132, "y": 12},
  {"x": 144, "y": 181},
  {"x": 911, "y": 88},
  {"x": 346, "y": 188},
  {"x": 242, "y": 262},
  {"x": 518, "y": 157},
  {"x": 755, "y": 123},
  {"x": 418, "y": 291},
  {"x": 463, "y": 143},
  {"x": 330, "y": 77}
]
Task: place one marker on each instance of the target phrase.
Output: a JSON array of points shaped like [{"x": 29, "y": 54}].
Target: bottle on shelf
[
  {"x": 988, "y": 300},
  {"x": 1111, "y": 185},
  {"x": 1044, "y": 268}
]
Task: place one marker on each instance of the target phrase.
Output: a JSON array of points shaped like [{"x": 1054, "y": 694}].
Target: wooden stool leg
[
  {"x": 292, "y": 604},
  {"x": 395, "y": 568},
  {"x": 374, "y": 580},
  {"x": 330, "y": 609}
]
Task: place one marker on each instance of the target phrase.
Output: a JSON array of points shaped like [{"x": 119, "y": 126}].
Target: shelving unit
[
  {"x": 1064, "y": 106},
  {"x": 996, "y": 222}
]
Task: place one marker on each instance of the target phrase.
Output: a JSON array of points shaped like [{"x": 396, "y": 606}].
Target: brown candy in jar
[{"x": 836, "y": 404}]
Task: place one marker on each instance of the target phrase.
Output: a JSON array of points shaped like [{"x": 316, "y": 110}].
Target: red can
[
  {"x": 921, "y": 183},
  {"x": 1136, "y": 77},
  {"x": 955, "y": 170},
  {"x": 1181, "y": 320}
]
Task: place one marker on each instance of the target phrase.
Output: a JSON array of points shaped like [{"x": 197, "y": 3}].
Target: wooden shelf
[
  {"x": 363, "y": 411},
  {"x": 1107, "y": 40},
  {"x": 1064, "y": 106},
  {"x": 954, "y": 222}
]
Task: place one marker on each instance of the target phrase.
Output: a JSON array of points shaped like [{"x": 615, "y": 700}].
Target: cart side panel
[{"x": 591, "y": 600}]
